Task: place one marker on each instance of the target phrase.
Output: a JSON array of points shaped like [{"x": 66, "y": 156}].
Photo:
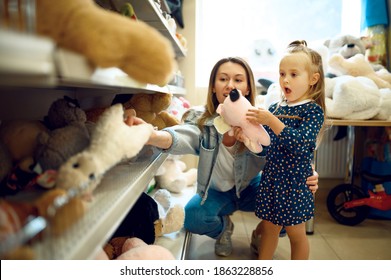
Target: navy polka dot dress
[{"x": 283, "y": 197}]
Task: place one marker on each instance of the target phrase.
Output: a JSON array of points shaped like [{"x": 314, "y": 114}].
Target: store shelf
[
  {"x": 60, "y": 68},
  {"x": 113, "y": 198},
  {"x": 34, "y": 66},
  {"x": 147, "y": 11}
]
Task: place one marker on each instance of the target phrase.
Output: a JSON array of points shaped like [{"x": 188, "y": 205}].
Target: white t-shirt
[{"x": 223, "y": 172}]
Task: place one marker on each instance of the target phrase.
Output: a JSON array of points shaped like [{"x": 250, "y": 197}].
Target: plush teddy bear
[
  {"x": 347, "y": 46},
  {"x": 107, "y": 39},
  {"x": 18, "y": 142},
  {"x": 233, "y": 113},
  {"x": 68, "y": 134},
  {"x": 357, "y": 66},
  {"x": 111, "y": 141},
  {"x": 171, "y": 217},
  {"x": 172, "y": 176},
  {"x": 151, "y": 108},
  {"x": 349, "y": 97}
]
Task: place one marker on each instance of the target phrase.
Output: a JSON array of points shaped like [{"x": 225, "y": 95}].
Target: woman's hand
[
  {"x": 238, "y": 134},
  {"x": 133, "y": 120}
]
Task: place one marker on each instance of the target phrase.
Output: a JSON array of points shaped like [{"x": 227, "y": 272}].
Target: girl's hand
[
  {"x": 312, "y": 182},
  {"x": 259, "y": 116}
]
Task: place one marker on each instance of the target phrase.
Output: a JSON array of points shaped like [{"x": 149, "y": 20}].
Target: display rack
[
  {"x": 113, "y": 198},
  {"x": 50, "y": 68}
]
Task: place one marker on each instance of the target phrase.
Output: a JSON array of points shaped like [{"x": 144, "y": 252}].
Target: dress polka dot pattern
[{"x": 283, "y": 197}]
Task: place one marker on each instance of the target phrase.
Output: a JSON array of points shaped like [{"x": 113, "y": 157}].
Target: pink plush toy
[{"x": 233, "y": 113}]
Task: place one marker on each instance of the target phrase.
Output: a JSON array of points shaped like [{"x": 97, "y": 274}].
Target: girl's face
[
  {"x": 229, "y": 76},
  {"x": 294, "y": 77}
]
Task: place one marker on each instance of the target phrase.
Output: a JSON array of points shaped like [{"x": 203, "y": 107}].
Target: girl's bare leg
[
  {"x": 300, "y": 248},
  {"x": 269, "y": 239}
]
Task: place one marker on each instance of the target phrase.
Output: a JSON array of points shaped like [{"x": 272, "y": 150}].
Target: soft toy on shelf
[
  {"x": 357, "y": 66},
  {"x": 178, "y": 106},
  {"x": 107, "y": 39},
  {"x": 18, "y": 142},
  {"x": 68, "y": 135},
  {"x": 123, "y": 248},
  {"x": 150, "y": 107},
  {"x": 349, "y": 97},
  {"x": 233, "y": 113},
  {"x": 172, "y": 176},
  {"x": 111, "y": 141},
  {"x": 347, "y": 46},
  {"x": 51, "y": 213},
  {"x": 171, "y": 217},
  {"x": 149, "y": 218}
]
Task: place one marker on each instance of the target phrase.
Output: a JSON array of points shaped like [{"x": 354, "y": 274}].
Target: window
[{"x": 260, "y": 29}]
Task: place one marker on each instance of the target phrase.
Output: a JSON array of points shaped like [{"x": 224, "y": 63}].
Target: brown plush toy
[
  {"x": 150, "y": 108},
  {"x": 59, "y": 210},
  {"x": 18, "y": 141},
  {"x": 108, "y": 39}
]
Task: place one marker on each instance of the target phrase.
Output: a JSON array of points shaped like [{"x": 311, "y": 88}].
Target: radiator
[{"x": 331, "y": 155}]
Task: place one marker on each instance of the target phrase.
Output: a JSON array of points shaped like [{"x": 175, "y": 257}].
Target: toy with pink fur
[{"x": 233, "y": 113}]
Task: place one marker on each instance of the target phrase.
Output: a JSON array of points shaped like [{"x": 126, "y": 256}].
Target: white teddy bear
[{"x": 172, "y": 176}]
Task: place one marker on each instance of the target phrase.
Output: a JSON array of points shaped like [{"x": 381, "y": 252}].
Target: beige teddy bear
[
  {"x": 108, "y": 39},
  {"x": 357, "y": 66},
  {"x": 171, "y": 217}
]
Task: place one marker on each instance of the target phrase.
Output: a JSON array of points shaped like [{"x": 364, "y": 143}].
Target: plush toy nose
[
  {"x": 350, "y": 45},
  {"x": 234, "y": 95}
]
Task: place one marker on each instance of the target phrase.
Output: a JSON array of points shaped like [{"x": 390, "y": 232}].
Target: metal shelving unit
[
  {"x": 54, "y": 69},
  {"x": 113, "y": 198}
]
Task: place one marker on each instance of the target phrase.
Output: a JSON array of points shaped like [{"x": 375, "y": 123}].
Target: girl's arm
[{"x": 265, "y": 117}]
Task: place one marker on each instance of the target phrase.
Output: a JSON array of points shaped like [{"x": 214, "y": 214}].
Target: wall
[{"x": 187, "y": 64}]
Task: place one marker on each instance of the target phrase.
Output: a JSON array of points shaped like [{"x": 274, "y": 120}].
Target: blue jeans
[{"x": 210, "y": 218}]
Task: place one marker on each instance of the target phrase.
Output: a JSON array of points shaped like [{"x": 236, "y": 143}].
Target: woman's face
[{"x": 229, "y": 76}]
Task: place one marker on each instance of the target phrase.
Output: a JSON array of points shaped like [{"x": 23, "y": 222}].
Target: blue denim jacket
[{"x": 189, "y": 139}]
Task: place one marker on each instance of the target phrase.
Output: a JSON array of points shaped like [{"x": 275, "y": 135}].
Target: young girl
[{"x": 293, "y": 124}]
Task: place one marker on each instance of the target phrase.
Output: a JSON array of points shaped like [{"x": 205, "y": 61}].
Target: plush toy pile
[
  {"x": 355, "y": 88},
  {"x": 360, "y": 90},
  {"x": 62, "y": 158},
  {"x": 108, "y": 39}
]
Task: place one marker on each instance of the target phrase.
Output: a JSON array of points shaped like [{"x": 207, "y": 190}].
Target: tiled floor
[{"x": 370, "y": 240}]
